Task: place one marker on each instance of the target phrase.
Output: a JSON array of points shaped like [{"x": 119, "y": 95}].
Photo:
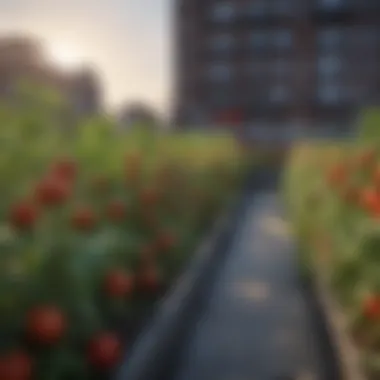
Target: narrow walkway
[{"x": 256, "y": 326}]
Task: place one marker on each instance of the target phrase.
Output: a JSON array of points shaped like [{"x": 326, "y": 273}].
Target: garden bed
[
  {"x": 96, "y": 226},
  {"x": 331, "y": 191},
  {"x": 96, "y": 271}
]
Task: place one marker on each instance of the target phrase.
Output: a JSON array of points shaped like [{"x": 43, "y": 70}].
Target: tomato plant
[
  {"x": 95, "y": 225},
  {"x": 333, "y": 199}
]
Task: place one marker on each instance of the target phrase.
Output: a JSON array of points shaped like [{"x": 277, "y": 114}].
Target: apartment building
[{"x": 275, "y": 62}]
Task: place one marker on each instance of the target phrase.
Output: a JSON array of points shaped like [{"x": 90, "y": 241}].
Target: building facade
[{"x": 275, "y": 61}]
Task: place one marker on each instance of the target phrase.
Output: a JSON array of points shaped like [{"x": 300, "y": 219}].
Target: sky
[{"x": 127, "y": 41}]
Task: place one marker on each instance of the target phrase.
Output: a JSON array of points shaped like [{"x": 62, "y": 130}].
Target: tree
[{"x": 138, "y": 113}]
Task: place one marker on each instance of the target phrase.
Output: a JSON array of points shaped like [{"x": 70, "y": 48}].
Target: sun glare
[{"x": 65, "y": 56}]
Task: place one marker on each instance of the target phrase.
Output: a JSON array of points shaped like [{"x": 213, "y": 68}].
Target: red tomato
[
  {"x": 371, "y": 308},
  {"x": 104, "y": 351},
  {"x": 149, "y": 197},
  {"x": 16, "y": 365},
  {"x": 118, "y": 283},
  {"x": 52, "y": 191},
  {"x": 23, "y": 215},
  {"x": 370, "y": 199},
  {"x": 84, "y": 219},
  {"x": 116, "y": 211},
  {"x": 65, "y": 168},
  {"x": 166, "y": 241},
  {"x": 46, "y": 324},
  {"x": 337, "y": 174}
]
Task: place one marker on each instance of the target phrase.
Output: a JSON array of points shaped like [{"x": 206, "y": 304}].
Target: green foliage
[
  {"x": 337, "y": 224},
  {"x": 369, "y": 123},
  {"x": 55, "y": 262}
]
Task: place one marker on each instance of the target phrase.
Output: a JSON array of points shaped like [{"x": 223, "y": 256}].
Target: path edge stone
[{"x": 337, "y": 323}]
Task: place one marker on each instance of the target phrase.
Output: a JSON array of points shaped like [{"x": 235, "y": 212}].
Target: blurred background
[
  {"x": 277, "y": 65},
  {"x": 267, "y": 67},
  {"x": 128, "y": 128},
  {"x": 105, "y": 56}
]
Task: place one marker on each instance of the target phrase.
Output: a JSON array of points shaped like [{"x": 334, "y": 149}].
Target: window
[
  {"x": 329, "y": 65},
  {"x": 222, "y": 42},
  {"x": 220, "y": 72},
  {"x": 259, "y": 39},
  {"x": 223, "y": 12},
  {"x": 283, "y": 39},
  {"x": 329, "y": 93}
]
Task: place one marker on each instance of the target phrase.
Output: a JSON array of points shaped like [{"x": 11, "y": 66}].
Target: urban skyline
[{"x": 134, "y": 53}]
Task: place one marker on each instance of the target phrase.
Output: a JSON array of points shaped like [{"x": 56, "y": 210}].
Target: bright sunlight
[{"x": 65, "y": 56}]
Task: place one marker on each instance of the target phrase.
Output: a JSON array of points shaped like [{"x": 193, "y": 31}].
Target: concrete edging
[
  {"x": 348, "y": 354},
  {"x": 154, "y": 348}
]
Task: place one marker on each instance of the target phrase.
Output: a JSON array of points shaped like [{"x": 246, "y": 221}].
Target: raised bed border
[
  {"x": 156, "y": 353},
  {"x": 344, "y": 358}
]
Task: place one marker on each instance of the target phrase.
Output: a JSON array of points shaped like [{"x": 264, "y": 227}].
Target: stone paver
[{"x": 256, "y": 325}]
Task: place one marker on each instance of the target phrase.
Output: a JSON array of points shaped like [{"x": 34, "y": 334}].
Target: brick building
[{"x": 275, "y": 61}]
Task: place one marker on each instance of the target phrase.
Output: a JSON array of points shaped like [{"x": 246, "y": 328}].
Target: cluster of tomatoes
[
  {"x": 334, "y": 196},
  {"x": 46, "y": 325},
  {"x": 343, "y": 174},
  {"x": 54, "y": 190},
  {"x": 357, "y": 182},
  {"x": 372, "y": 308}
]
